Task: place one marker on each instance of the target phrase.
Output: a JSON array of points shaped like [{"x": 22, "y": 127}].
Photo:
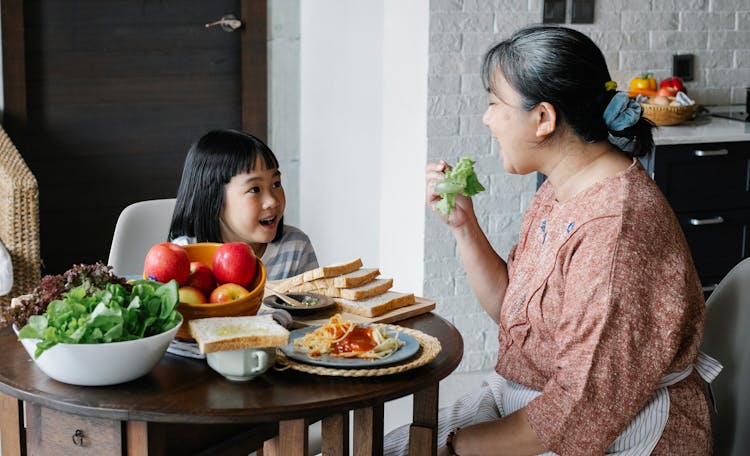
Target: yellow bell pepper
[{"x": 644, "y": 85}]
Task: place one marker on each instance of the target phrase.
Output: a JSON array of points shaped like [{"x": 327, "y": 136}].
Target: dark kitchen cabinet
[{"x": 708, "y": 186}]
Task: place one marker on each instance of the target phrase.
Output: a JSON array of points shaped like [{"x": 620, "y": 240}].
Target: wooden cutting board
[{"x": 422, "y": 305}]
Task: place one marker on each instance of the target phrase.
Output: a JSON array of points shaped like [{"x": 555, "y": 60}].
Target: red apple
[
  {"x": 234, "y": 262},
  {"x": 191, "y": 295},
  {"x": 201, "y": 277},
  {"x": 166, "y": 261},
  {"x": 667, "y": 92},
  {"x": 228, "y": 292}
]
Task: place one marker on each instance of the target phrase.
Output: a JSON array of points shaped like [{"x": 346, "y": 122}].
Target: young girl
[{"x": 231, "y": 192}]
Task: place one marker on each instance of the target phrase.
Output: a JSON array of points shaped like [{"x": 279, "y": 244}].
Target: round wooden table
[{"x": 181, "y": 398}]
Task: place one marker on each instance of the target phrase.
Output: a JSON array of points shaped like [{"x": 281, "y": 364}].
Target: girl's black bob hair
[
  {"x": 567, "y": 69},
  {"x": 210, "y": 164}
]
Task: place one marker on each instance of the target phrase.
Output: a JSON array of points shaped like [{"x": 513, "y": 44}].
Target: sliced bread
[
  {"x": 284, "y": 285},
  {"x": 356, "y": 278},
  {"x": 235, "y": 333},
  {"x": 367, "y": 290},
  {"x": 353, "y": 279},
  {"x": 377, "y": 305},
  {"x": 332, "y": 270},
  {"x": 323, "y": 272}
]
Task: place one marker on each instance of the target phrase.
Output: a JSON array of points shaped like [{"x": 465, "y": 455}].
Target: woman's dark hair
[
  {"x": 210, "y": 164},
  {"x": 565, "y": 68}
]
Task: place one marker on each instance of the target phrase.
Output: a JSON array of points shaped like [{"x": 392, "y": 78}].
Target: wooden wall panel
[{"x": 107, "y": 98}]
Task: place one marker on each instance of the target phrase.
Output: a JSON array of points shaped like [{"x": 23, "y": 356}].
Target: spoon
[{"x": 287, "y": 299}]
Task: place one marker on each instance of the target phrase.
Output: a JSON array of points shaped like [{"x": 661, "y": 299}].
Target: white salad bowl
[{"x": 101, "y": 364}]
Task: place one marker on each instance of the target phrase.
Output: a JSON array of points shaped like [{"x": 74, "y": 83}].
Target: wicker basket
[
  {"x": 19, "y": 219},
  {"x": 667, "y": 115}
]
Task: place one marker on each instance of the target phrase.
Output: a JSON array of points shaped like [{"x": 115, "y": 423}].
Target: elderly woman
[{"x": 599, "y": 309}]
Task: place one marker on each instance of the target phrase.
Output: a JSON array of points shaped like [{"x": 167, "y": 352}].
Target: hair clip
[{"x": 610, "y": 85}]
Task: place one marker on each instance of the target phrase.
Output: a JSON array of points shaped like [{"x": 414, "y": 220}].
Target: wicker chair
[{"x": 19, "y": 219}]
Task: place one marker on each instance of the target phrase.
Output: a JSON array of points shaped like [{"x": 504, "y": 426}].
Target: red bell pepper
[{"x": 674, "y": 85}]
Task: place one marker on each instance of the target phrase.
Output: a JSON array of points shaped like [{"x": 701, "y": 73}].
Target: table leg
[
  {"x": 12, "y": 433},
  {"x": 136, "y": 438},
  {"x": 143, "y": 438},
  {"x": 423, "y": 431},
  {"x": 368, "y": 430},
  {"x": 291, "y": 441},
  {"x": 335, "y": 435}
]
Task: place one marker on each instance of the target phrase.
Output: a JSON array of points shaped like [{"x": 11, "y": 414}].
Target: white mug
[{"x": 242, "y": 365}]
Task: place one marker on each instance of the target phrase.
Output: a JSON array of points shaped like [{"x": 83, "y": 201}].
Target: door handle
[
  {"x": 228, "y": 23},
  {"x": 710, "y": 153},
  {"x": 708, "y": 221}
]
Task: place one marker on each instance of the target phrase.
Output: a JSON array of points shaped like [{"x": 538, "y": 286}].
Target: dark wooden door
[{"x": 104, "y": 98}]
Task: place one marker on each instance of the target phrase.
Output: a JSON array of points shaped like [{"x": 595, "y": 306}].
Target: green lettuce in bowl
[{"x": 110, "y": 314}]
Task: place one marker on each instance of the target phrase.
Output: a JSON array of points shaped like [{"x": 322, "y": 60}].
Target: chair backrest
[
  {"x": 19, "y": 219},
  {"x": 139, "y": 227},
  {"x": 727, "y": 338}
]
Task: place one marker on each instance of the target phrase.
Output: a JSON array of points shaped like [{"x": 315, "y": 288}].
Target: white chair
[
  {"x": 727, "y": 338},
  {"x": 139, "y": 227}
]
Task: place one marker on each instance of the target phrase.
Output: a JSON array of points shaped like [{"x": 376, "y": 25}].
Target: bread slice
[
  {"x": 332, "y": 270},
  {"x": 326, "y": 285},
  {"x": 368, "y": 290},
  {"x": 283, "y": 285},
  {"x": 313, "y": 275},
  {"x": 235, "y": 333},
  {"x": 356, "y": 278},
  {"x": 377, "y": 305}
]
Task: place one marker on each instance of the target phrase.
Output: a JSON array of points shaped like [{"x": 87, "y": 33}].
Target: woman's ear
[{"x": 547, "y": 121}]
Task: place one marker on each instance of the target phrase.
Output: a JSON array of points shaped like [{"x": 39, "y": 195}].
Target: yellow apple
[
  {"x": 228, "y": 292},
  {"x": 191, "y": 295}
]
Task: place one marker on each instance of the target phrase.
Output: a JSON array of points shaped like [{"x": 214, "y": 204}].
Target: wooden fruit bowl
[{"x": 245, "y": 306}]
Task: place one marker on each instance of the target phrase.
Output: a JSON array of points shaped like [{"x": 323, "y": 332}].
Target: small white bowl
[
  {"x": 242, "y": 365},
  {"x": 101, "y": 364}
]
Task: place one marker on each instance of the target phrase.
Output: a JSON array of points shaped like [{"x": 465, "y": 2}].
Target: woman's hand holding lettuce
[
  {"x": 461, "y": 179},
  {"x": 107, "y": 315}
]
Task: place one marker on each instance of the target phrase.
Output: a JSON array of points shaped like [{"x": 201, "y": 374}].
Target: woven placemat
[{"x": 429, "y": 348}]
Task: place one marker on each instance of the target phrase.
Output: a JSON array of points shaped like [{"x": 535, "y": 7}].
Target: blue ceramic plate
[{"x": 409, "y": 349}]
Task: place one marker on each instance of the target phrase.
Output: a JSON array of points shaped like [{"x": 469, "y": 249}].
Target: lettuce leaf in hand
[
  {"x": 461, "y": 179},
  {"x": 108, "y": 315}
]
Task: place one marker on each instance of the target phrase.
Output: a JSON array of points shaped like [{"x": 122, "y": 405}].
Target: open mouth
[{"x": 268, "y": 221}]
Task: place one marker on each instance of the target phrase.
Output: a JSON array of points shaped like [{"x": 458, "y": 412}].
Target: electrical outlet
[
  {"x": 554, "y": 11},
  {"x": 683, "y": 66},
  {"x": 582, "y": 12}
]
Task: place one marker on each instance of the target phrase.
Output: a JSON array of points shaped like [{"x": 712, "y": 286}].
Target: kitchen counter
[{"x": 705, "y": 129}]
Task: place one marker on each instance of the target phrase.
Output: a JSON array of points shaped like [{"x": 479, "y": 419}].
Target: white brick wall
[{"x": 635, "y": 35}]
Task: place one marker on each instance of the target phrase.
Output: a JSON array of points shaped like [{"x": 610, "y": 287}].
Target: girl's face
[
  {"x": 512, "y": 126},
  {"x": 254, "y": 203}
]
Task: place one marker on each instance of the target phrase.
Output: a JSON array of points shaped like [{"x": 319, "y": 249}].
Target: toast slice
[
  {"x": 354, "y": 279},
  {"x": 235, "y": 333},
  {"x": 332, "y": 270},
  {"x": 367, "y": 290},
  {"x": 376, "y": 305},
  {"x": 323, "y": 272},
  {"x": 325, "y": 285}
]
